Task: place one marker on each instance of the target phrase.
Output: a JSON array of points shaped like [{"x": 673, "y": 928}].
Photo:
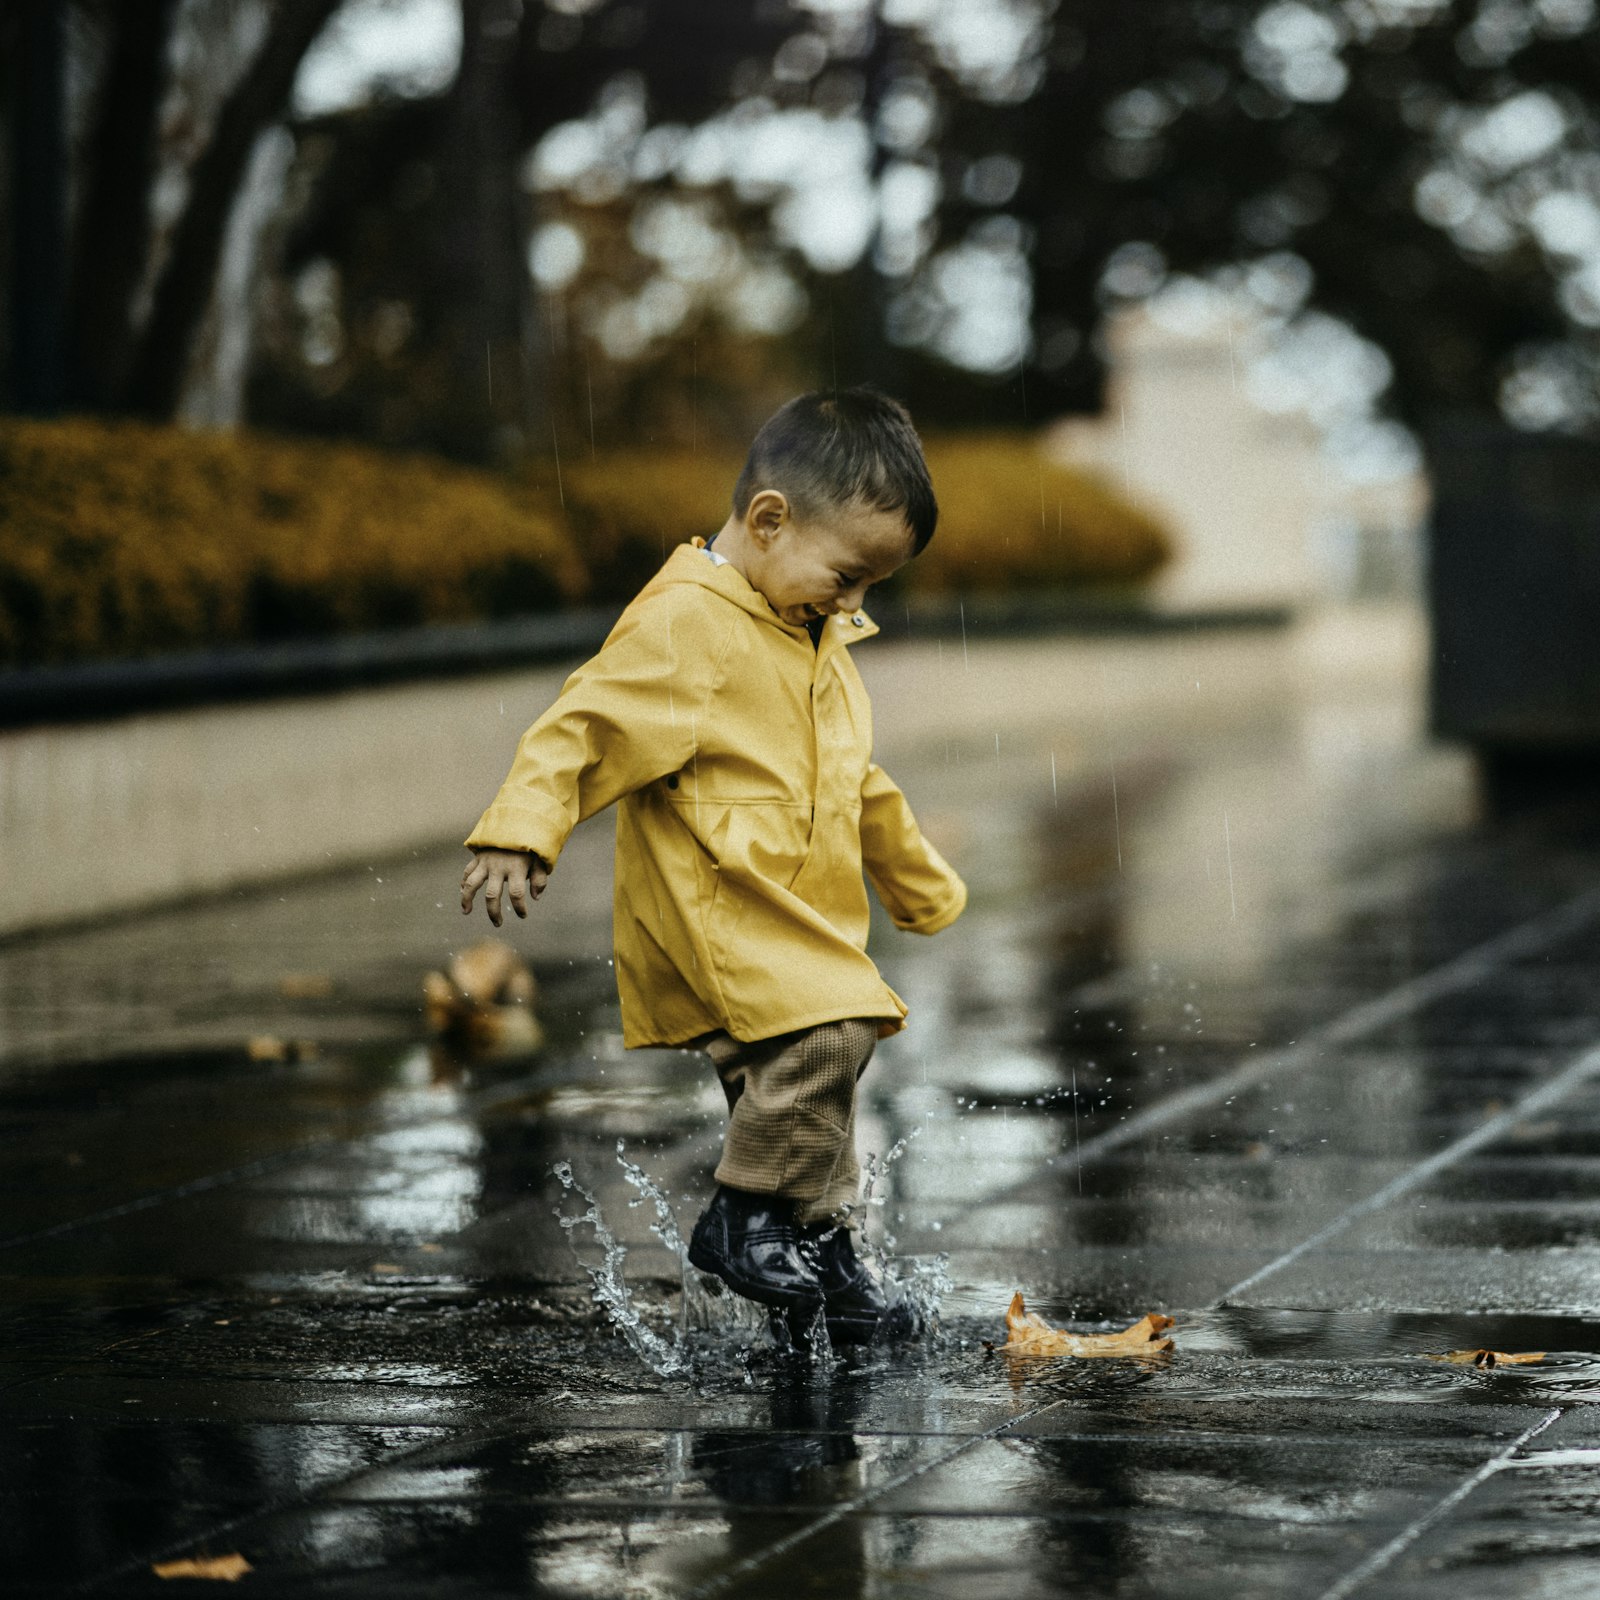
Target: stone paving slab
[
  {"x": 1267, "y": 1074},
  {"x": 1363, "y": 1276}
]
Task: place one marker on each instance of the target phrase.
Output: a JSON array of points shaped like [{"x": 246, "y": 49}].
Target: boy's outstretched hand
[{"x": 518, "y": 874}]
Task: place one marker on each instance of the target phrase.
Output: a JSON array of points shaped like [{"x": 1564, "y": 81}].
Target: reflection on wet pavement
[{"x": 1266, "y": 1029}]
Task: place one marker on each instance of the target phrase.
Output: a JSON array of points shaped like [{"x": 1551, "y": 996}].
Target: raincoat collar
[{"x": 687, "y": 564}]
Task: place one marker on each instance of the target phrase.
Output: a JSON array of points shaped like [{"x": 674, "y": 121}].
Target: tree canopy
[{"x": 625, "y": 217}]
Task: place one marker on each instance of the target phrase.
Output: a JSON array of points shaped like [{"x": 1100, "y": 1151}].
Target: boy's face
[{"x": 826, "y": 563}]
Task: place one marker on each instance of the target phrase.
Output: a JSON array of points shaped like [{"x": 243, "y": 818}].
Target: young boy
[{"x": 726, "y": 718}]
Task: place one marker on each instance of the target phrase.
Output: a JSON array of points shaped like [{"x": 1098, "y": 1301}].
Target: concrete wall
[
  {"x": 110, "y": 815},
  {"x": 1259, "y": 516},
  {"x": 98, "y": 817}
]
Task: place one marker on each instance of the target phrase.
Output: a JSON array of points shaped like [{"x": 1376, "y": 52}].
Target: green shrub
[{"x": 628, "y": 508}]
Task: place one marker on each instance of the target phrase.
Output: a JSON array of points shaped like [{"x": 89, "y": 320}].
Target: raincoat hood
[{"x": 725, "y": 579}]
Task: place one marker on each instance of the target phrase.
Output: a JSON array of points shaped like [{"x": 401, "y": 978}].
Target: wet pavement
[{"x": 1254, "y": 1020}]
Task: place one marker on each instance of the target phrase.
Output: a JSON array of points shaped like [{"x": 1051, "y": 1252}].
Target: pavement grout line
[
  {"x": 1585, "y": 1067},
  {"x": 848, "y": 1508},
  {"x": 485, "y": 1100},
  {"x": 289, "y": 1502},
  {"x": 1382, "y": 1557},
  {"x": 784, "y": 1546},
  {"x": 1170, "y": 1109},
  {"x": 470, "y": 1438},
  {"x": 1362, "y": 1019}
]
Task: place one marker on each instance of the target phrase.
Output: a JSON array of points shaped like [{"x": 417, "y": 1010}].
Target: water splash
[
  {"x": 665, "y": 1227},
  {"x": 709, "y": 1308},
  {"x": 919, "y": 1283},
  {"x": 610, "y": 1290}
]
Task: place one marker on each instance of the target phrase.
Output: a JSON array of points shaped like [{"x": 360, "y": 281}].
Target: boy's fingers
[
  {"x": 474, "y": 875},
  {"x": 502, "y": 875}
]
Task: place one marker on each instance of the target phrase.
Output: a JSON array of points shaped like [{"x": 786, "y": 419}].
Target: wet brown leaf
[
  {"x": 1028, "y": 1334},
  {"x": 1490, "y": 1358},
  {"x": 490, "y": 972},
  {"x": 227, "y": 1569},
  {"x": 484, "y": 1000},
  {"x": 268, "y": 1047}
]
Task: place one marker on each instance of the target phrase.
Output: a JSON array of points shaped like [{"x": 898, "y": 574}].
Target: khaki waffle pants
[{"x": 792, "y": 1113}]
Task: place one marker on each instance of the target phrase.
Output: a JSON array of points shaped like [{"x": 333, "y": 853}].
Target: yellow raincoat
[{"x": 748, "y": 802}]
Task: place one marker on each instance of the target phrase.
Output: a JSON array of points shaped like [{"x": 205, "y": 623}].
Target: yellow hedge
[
  {"x": 630, "y": 507},
  {"x": 1009, "y": 517},
  {"x": 118, "y": 538}
]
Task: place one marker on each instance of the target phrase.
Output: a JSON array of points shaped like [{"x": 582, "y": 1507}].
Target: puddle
[
  {"x": 711, "y": 1325},
  {"x": 394, "y": 1260}
]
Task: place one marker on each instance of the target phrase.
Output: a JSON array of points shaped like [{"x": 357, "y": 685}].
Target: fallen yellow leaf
[
  {"x": 1491, "y": 1358},
  {"x": 1028, "y": 1334},
  {"x": 229, "y": 1569}
]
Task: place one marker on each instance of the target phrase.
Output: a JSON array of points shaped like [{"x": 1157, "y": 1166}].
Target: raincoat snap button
[
  {"x": 860, "y": 622},
  {"x": 672, "y": 782}
]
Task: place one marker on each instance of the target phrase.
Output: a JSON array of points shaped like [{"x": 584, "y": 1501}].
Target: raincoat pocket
[
  {"x": 776, "y": 841},
  {"x": 761, "y": 852},
  {"x": 717, "y": 845}
]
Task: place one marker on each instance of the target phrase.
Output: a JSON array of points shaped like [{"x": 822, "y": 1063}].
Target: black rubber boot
[
  {"x": 751, "y": 1242},
  {"x": 854, "y": 1304}
]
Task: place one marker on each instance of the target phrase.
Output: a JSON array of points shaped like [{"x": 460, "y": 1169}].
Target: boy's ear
[{"x": 767, "y": 512}]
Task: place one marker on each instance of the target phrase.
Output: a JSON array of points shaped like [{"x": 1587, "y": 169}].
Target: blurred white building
[{"x": 1210, "y": 425}]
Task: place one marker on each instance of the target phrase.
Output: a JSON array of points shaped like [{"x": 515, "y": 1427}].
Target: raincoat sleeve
[
  {"x": 624, "y": 719},
  {"x": 917, "y": 886}
]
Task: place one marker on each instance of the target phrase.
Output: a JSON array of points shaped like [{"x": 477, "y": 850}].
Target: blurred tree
[
  {"x": 86, "y": 341},
  {"x": 402, "y": 307},
  {"x": 1421, "y": 157},
  {"x": 34, "y": 38},
  {"x": 479, "y": 243},
  {"x": 1426, "y": 171},
  {"x": 112, "y": 248},
  {"x": 625, "y": 216},
  {"x": 184, "y": 281}
]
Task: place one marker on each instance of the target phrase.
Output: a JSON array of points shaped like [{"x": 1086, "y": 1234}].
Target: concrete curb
[{"x": 95, "y": 690}]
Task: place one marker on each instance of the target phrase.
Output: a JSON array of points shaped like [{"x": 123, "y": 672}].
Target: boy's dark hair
[{"x": 842, "y": 447}]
